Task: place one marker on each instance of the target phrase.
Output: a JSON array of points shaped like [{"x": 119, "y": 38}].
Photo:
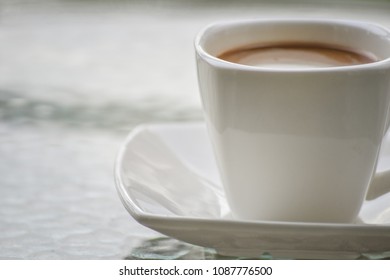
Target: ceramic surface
[
  {"x": 167, "y": 179},
  {"x": 321, "y": 126}
]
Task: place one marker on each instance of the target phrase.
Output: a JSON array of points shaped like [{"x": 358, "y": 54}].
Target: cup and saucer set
[{"x": 292, "y": 161}]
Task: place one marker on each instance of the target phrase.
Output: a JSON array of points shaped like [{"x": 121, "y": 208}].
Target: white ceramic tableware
[
  {"x": 167, "y": 179},
  {"x": 295, "y": 144}
]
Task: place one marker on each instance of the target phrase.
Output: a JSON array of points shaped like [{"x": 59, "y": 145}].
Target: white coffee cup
[{"x": 295, "y": 144}]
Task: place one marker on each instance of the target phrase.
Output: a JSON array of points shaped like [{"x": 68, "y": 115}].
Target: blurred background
[{"x": 75, "y": 78}]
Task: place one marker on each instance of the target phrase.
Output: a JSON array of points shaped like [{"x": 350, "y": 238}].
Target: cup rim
[{"x": 220, "y": 63}]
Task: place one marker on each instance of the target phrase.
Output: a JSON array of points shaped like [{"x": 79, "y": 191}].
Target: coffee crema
[{"x": 295, "y": 56}]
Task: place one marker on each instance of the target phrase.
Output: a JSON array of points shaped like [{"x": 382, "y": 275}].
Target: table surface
[{"x": 75, "y": 78}]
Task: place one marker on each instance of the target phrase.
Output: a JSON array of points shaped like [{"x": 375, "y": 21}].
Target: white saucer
[{"x": 168, "y": 181}]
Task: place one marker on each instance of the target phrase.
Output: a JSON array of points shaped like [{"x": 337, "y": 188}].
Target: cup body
[{"x": 295, "y": 144}]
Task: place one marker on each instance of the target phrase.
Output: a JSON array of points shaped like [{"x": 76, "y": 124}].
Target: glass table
[{"x": 75, "y": 78}]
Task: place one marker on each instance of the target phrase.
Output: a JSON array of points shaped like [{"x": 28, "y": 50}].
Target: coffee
[{"x": 295, "y": 56}]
